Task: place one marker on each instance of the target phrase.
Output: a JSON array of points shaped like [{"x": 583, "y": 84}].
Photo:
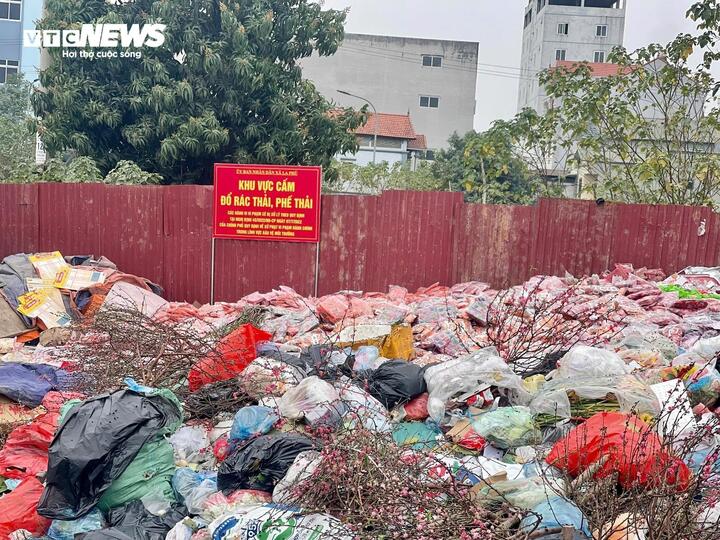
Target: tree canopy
[
  {"x": 17, "y": 143},
  {"x": 645, "y": 134},
  {"x": 225, "y": 86}
]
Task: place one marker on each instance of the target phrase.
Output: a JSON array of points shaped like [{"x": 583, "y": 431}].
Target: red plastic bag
[
  {"x": 416, "y": 408},
  {"x": 25, "y": 452},
  {"x": 629, "y": 448},
  {"x": 233, "y": 354},
  {"x": 18, "y": 510},
  {"x": 471, "y": 440}
]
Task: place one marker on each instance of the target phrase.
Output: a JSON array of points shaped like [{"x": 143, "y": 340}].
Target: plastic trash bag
[
  {"x": 395, "y": 382},
  {"x": 194, "y": 488},
  {"x": 233, "y": 354},
  {"x": 66, "y": 530},
  {"x": 585, "y": 362},
  {"x": 150, "y": 472},
  {"x": 555, "y": 512},
  {"x": 18, "y": 509},
  {"x": 417, "y": 435},
  {"x": 463, "y": 377},
  {"x": 314, "y": 400},
  {"x": 525, "y": 493},
  {"x": 627, "y": 446},
  {"x": 629, "y": 391},
  {"x": 269, "y": 377},
  {"x": 97, "y": 441},
  {"x": 416, "y": 409},
  {"x": 362, "y": 407},
  {"x": 707, "y": 348},
  {"x": 367, "y": 357},
  {"x": 251, "y": 422},
  {"x": 191, "y": 445},
  {"x": 25, "y": 452},
  {"x": 218, "y": 504},
  {"x": 507, "y": 427},
  {"x": 262, "y": 462},
  {"x": 277, "y": 522},
  {"x": 134, "y": 522},
  {"x": 302, "y": 468}
]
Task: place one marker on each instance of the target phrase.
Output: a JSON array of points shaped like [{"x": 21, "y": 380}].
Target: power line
[{"x": 452, "y": 68}]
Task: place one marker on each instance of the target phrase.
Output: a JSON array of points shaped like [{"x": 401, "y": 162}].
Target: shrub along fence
[{"x": 367, "y": 242}]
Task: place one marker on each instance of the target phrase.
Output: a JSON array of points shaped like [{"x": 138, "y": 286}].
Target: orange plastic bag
[
  {"x": 627, "y": 446},
  {"x": 18, "y": 510},
  {"x": 233, "y": 354}
]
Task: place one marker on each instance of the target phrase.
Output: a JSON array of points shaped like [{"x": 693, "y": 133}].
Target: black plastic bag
[
  {"x": 261, "y": 463},
  {"x": 394, "y": 383},
  {"x": 96, "y": 442},
  {"x": 134, "y": 522}
]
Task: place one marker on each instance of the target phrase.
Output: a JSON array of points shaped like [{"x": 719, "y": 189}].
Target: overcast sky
[{"x": 497, "y": 26}]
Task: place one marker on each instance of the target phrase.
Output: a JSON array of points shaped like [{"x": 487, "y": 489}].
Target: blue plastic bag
[
  {"x": 194, "y": 488},
  {"x": 556, "y": 512},
  {"x": 252, "y": 422},
  {"x": 66, "y": 530}
]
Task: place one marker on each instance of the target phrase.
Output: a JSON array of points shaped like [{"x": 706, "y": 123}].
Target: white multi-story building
[
  {"x": 566, "y": 30},
  {"x": 431, "y": 80}
]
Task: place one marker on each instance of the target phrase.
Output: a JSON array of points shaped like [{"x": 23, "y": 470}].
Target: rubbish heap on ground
[{"x": 559, "y": 408}]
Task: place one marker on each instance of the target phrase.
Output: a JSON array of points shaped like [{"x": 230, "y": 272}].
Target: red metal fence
[{"x": 368, "y": 242}]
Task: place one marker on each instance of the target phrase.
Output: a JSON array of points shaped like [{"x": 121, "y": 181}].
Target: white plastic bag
[
  {"x": 584, "y": 361},
  {"x": 631, "y": 393},
  {"x": 314, "y": 400},
  {"x": 302, "y": 468},
  {"x": 707, "y": 348},
  {"x": 463, "y": 377},
  {"x": 191, "y": 445},
  {"x": 269, "y": 377},
  {"x": 363, "y": 407}
]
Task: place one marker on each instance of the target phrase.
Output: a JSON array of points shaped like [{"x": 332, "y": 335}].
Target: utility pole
[{"x": 375, "y": 123}]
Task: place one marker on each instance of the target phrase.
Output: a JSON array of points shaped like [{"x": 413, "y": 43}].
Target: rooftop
[
  {"x": 396, "y": 126},
  {"x": 597, "y": 69}
]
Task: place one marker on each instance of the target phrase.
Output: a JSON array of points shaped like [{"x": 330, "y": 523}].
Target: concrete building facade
[
  {"x": 566, "y": 30},
  {"x": 15, "y": 17},
  {"x": 434, "y": 81}
]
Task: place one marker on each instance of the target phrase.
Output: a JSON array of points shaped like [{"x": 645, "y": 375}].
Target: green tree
[
  {"x": 379, "y": 177},
  {"x": 225, "y": 86},
  {"x": 507, "y": 164},
  {"x": 17, "y": 142},
  {"x": 646, "y": 134}
]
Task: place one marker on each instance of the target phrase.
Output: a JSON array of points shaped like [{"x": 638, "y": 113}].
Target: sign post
[{"x": 275, "y": 203}]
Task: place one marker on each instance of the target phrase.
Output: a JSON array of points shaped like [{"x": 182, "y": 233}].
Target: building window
[
  {"x": 599, "y": 57},
  {"x": 540, "y": 5},
  {"x": 563, "y": 29},
  {"x": 8, "y": 68},
  {"x": 528, "y": 18},
  {"x": 429, "y": 102},
  {"x": 560, "y": 54},
  {"x": 429, "y": 60},
  {"x": 10, "y": 10},
  {"x": 601, "y": 30}
]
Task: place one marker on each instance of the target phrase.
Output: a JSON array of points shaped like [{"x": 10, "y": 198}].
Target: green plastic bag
[
  {"x": 507, "y": 427},
  {"x": 418, "y": 435},
  {"x": 151, "y": 471}
]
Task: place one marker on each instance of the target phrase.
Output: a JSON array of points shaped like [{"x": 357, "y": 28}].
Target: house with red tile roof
[{"x": 397, "y": 141}]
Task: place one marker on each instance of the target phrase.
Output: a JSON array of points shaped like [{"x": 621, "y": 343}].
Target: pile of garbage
[{"x": 560, "y": 408}]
